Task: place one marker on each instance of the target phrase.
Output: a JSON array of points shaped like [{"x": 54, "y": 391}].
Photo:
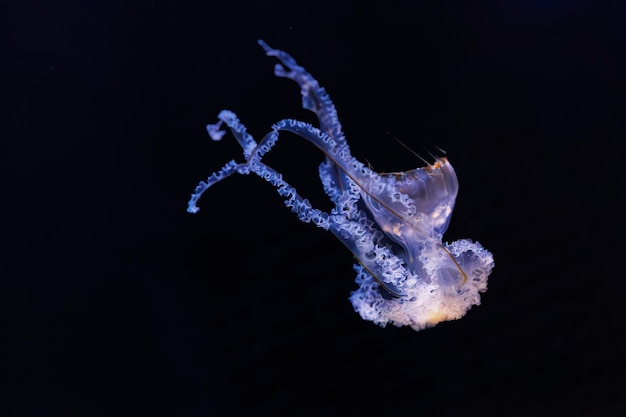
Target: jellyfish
[{"x": 392, "y": 223}]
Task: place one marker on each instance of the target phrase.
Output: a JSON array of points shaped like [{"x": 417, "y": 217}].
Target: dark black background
[{"x": 116, "y": 302}]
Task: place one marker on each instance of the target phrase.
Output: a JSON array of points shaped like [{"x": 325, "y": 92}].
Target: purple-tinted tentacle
[{"x": 314, "y": 97}]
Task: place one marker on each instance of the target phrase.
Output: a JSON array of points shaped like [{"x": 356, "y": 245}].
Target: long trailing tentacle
[
  {"x": 340, "y": 163},
  {"x": 245, "y": 140},
  {"x": 356, "y": 233},
  {"x": 314, "y": 97}
]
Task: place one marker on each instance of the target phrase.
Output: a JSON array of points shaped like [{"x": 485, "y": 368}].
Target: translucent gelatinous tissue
[{"x": 393, "y": 223}]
